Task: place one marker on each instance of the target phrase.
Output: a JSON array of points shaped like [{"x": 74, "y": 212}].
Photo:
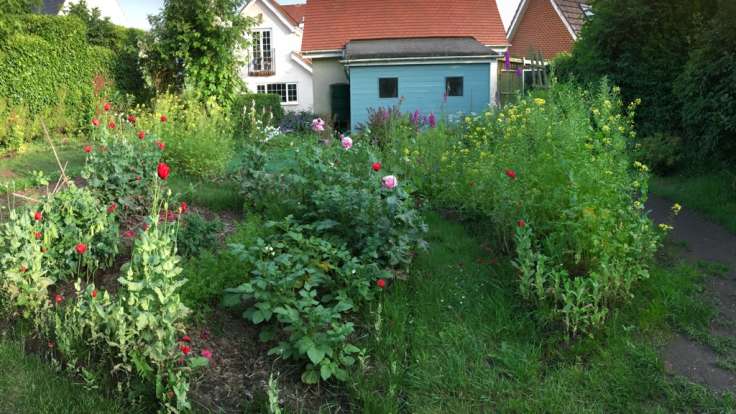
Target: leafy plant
[
  {"x": 309, "y": 287},
  {"x": 197, "y": 234}
]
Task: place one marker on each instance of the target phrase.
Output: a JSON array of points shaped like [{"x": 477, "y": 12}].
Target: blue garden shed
[{"x": 432, "y": 75}]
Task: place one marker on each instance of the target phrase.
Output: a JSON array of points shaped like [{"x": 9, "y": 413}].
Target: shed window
[
  {"x": 388, "y": 87},
  {"x": 454, "y": 86}
]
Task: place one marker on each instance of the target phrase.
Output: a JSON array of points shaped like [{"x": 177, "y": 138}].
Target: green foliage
[
  {"x": 198, "y": 136},
  {"x": 661, "y": 151},
  {"x": 121, "y": 168},
  {"x": 74, "y": 216},
  {"x": 337, "y": 191},
  {"x": 192, "y": 45},
  {"x": 49, "y": 56},
  {"x": 310, "y": 287},
  {"x": 638, "y": 45},
  {"x": 196, "y": 234},
  {"x": 707, "y": 88},
  {"x": 558, "y": 167},
  {"x": 255, "y": 112}
]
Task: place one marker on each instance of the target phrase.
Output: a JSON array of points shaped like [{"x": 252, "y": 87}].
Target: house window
[
  {"x": 262, "y": 51},
  {"x": 388, "y": 87},
  {"x": 454, "y": 86},
  {"x": 587, "y": 10},
  {"x": 287, "y": 91}
]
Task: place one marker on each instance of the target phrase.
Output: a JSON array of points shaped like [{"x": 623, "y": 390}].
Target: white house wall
[{"x": 285, "y": 39}]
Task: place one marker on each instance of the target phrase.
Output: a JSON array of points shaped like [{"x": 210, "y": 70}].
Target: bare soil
[{"x": 709, "y": 242}]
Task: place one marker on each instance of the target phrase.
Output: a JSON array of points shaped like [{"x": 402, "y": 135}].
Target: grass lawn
[
  {"x": 712, "y": 194},
  {"x": 29, "y": 386},
  {"x": 39, "y": 157},
  {"x": 456, "y": 338}
]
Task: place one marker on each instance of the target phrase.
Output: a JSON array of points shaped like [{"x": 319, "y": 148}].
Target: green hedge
[{"x": 49, "y": 59}]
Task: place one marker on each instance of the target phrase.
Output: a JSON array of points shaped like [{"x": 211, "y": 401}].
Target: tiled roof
[
  {"x": 330, "y": 24},
  {"x": 573, "y": 12},
  {"x": 295, "y": 11}
]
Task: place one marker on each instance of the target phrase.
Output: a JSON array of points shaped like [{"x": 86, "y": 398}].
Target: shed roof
[{"x": 416, "y": 47}]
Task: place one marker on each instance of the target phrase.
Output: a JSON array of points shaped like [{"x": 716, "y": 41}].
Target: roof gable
[
  {"x": 570, "y": 12},
  {"x": 278, "y": 10},
  {"x": 330, "y": 24}
]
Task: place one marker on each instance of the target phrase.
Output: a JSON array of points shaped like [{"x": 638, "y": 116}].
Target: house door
[{"x": 340, "y": 105}]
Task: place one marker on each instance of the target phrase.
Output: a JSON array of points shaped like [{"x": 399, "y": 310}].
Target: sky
[{"x": 136, "y": 11}]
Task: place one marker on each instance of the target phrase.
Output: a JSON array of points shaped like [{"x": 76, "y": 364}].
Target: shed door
[{"x": 340, "y": 104}]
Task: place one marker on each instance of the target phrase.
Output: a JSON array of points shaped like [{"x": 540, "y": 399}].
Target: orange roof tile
[
  {"x": 295, "y": 11},
  {"x": 330, "y": 24}
]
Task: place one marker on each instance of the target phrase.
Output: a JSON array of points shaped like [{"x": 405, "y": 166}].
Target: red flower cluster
[
  {"x": 164, "y": 118},
  {"x": 376, "y": 166},
  {"x": 163, "y": 170},
  {"x": 94, "y": 293},
  {"x": 132, "y": 118},
  {"x": 58, "y": 298},
  {"x": 129, "y": 234},
  {"x": 511, "y": 174},
  {"x": 521, "y": 223},
  {"x": 141, "y": 135},
  {"x": 80, "y": 248},
  {"x": 87, "y": 149},
  {"x": 160, "y": 145},
  {"x": 95, "y": 122},
  {"x": 111, "y": 125},
  {"x": 106, "y": 106},
  {"x": 184, "y": 207},
  {"x": 38, "y": 216},
  {"x": 185, "y": 349},
  {"x": 381, "y": 283},
  {"x": 112, "y": 208},
  {"x": 38, "y": 235}
]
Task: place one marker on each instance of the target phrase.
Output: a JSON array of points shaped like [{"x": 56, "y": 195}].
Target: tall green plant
[{"x": 192, "y": 45}]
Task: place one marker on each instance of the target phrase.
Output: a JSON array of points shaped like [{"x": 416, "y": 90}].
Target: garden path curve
[{"x": 710, "y": 242}]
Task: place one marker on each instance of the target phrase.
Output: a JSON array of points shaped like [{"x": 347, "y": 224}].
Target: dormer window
[{"x": 587, "y": 10}]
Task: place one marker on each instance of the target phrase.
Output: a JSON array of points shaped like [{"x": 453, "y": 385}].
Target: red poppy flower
[
  {"x": 160, "y": 145},
  {"x": 58, "y": 299},
  {"x": 95, "y": 122},
  {"x": 376, "y": 166},
  {"x": 185, "y": 349},
  {"x": 87, "y": 149},
  {"x": 521, "y": 223},
  {"x": 141, "y": 135},
  {"x": 129, "y": 234},
  {"x": 80, "y": 248},
  {"x": 38, "y": 216},
  {"x": 112, "y": 208},
  {"x": 106, "y": 106},
  {"x": 38, "y": 235},
  {"x": 186, "y": 338},
  {"x": 163, "y": 170},
  {"x": 164, "y": 118},
  {"x": 511, "y": 174},
  {"x": 94, "y": 293},
  {"x": 184, "y": 207},
  {"x": 111, "y": 125},
  {"x": 381, "y": 283},
  {"x": 131, "y": 118}
]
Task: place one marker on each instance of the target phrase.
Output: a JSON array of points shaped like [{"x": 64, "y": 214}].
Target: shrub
[
  {"x": 197, "y": 234},
  {"x": 122, "y": 167},
  {"x": 706, "y": 88},
  {"x": 337, "y": 191},
  {"x": 309, "y": 287},
  {"x": 298, "y": 122},
  {"x": 661, "y": 151},
  {"x": 198, "y": 136},
  {"x": 558, "y": 167}
]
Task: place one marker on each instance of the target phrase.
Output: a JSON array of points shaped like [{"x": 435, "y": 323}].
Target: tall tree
[{"x": 194, "y": 44}]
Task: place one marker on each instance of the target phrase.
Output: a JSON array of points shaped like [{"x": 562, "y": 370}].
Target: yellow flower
[
  {"x": 676, "y": 208},
  {"x": 468, "y": 119},
  {"x": 606, "y": 129},
  {"x": 665, "y": 227},
  {"x": 596, "y": 111},
  {"x": 539, "y": 101},
  {"x": 638, "y": 204}
]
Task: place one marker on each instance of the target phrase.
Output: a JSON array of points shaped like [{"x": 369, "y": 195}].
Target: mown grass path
[{"x": 456, "y": 338}]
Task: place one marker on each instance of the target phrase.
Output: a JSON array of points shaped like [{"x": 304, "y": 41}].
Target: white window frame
[
  {"x": 258, "y": 33},
  {"x": 267, "y": 88}
]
